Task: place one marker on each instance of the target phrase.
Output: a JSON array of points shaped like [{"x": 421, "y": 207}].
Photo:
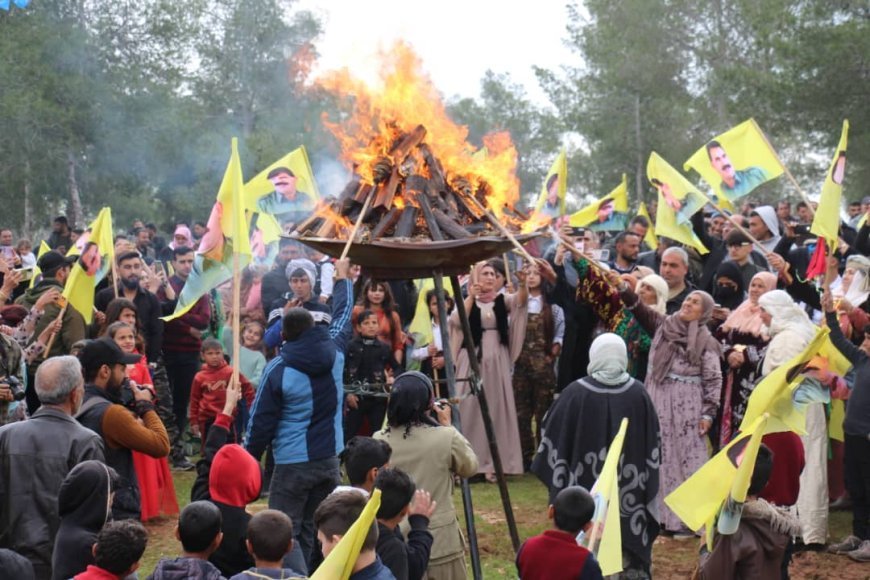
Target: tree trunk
[
  {"x": 639, "y": 174},
  {"x": 75, "y": 201},
  {"x": 28, "y": 209}
]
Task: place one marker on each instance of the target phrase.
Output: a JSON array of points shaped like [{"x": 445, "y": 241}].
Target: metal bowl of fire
[{"x": 409, "y": 216}]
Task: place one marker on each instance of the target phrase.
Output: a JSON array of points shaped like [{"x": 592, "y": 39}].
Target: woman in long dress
[
  {"x": 684, "y": 380},
  {"x": 497, "y": 345}
]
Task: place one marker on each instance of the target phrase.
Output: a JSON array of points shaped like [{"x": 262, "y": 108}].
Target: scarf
[
  {"x": 608, "y": 360},
  {"x": 483, "y": 297},
  {"x": 182, "y": 231},
  {"x": 747, "y": 317},
  {"x": 660, "y": 287},
  {"x": 786, "y": 315},
  {"x": 859, "y": 287},
  {"x": 677, "y": 337},
  {"x": 727, "y": 296}
]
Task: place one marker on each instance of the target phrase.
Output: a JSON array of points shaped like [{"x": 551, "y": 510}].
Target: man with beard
[
  {"x": 126, "y": 422},
  {"x": 286, "y": 203},
  {"x": 35, "y": 457},
  {"x": 148, "y": 310},
  {"x": 627, "y": 247}
]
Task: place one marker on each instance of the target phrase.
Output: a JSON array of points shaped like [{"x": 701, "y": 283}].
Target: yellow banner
[
  {"x": 650, "y": 236},
  {"x": 551, "y": 201},
  {"x": 97, "y": 255},
  {"x": 736, "y": 162},
  {"x": 826, "y": 222},
  {"x": 338, "y": 565},
  {"x": 606, "y": 517},
  {"x": 609, "y": 213},
  {"x": 677, "y": 201}
]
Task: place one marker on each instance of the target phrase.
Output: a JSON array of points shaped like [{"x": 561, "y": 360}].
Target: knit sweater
[{"x": 208, "y": 393}]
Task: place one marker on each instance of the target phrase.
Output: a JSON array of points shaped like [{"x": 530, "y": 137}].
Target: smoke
[{"x": 331, "y": 175}]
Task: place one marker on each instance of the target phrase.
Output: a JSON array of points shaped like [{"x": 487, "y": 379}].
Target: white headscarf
[
  {"x": 608, "y": 360},
  {"x": 859, "y": 288},
  {"x": 786, "y": 315},
  {"x": 660, "y": 287}
]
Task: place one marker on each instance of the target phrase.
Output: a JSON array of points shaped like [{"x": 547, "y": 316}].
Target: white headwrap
[
  {"x": 859, "y": 288},
  {"x": 608, "y": 360},
  {"x": 786, "y": 315},
  {"x": 306, "y": 266},
  {"x": 660, "y": 287}
]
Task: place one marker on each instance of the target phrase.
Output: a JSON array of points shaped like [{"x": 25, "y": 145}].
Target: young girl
[
  {"x": 534, "y": 371},
  {"x": 368, "y": 361},
  {"x": 430, "y": 352},
  {"x": 252, "y": 361},
  {"x": 153, "y": 475},
  {"x": 377, "y": 297}
]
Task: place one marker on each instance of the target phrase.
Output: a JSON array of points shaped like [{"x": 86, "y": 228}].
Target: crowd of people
[{"x": 344, "y": 375}]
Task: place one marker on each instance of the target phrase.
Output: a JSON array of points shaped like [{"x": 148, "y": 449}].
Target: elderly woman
[
  {"x": 743, "y": 340},
  {"x": 431, "y": 452},
  {"x": 578, "y": 430},
  {"x": 598, "y": 290},
  {"x": 790, "y": 331},
  {"x": 684, "y": 379}
]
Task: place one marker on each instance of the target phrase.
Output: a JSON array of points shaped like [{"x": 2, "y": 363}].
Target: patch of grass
[{"x": 672, "y": 559}]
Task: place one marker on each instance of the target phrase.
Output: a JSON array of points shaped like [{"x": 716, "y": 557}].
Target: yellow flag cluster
[
  {"x": 338, "y": 565},
  {"x": 609, "y": 213},
  {"x": 677, "y": 201},
  {"x": 606, "y": 517},
  {"x": 826, "y": 223},
  {"x": 95, "y": 258}
]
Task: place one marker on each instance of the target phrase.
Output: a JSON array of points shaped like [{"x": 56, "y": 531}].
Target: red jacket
[
  {"x": 788, "y": 461},
  {"x": 176, "y": 333},
  {"x": 555, "y": 555},
  {"x": 208, "y": 393}
]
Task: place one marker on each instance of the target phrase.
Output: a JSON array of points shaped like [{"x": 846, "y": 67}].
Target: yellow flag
[
  {"x": 736, "y": 162},
  {"x": 609, "y": 213},
  {"x": 338, "y": 565},
  {"x": 605, "y": 492},
  {"x": 700, "y": 498},
  {"x": 97, "y": 255},
  {"x": 773, "y": 395},
  {"x": 650, "y": 237},
  {"x": 677, "y": 201},
  {"x": 826, "y": 222},
  {"x": 258, "y": 188},
  {"x": 551, "y": 201},
  {"x": 729, "y": 518},
  {"x": 421, "y": 324},
  {"x": 43, "y": 248},
  {"x": 227, "y": 234}
]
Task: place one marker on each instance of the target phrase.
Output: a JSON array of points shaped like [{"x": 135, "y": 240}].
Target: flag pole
[
  {"x": 237, "y": 299},
  {"x": 785, "y": 169}
]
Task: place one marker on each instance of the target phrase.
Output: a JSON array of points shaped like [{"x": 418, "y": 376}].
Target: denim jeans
[{"x": 297, "y": 489}]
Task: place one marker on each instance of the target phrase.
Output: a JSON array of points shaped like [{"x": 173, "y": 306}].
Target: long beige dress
[{"x": 495, "y": 368}]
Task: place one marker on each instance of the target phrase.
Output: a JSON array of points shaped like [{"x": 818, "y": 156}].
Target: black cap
[
  {"x": 53, "y": 260},
  {"x": 104, "y": 351}
]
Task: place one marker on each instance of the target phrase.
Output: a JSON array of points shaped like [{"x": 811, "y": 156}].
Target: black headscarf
[
  {"x": 726, "y": 296},
  {"x": 410, "y": 401}
]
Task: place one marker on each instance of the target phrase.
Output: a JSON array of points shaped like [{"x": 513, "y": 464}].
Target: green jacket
[{"x": 72, "y": 330}]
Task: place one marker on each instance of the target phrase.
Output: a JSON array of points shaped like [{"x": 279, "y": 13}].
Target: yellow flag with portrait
[
  {"x": 826, "y": 222},
  {"x": 736, "y": 162},
  {"x": 551, "y": 201},
  {"x": 606, "y": 214},
  {"x": 677, "y": 201}
]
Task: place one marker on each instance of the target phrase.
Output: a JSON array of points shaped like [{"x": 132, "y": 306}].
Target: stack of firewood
[{"x": 411, "y": 198}]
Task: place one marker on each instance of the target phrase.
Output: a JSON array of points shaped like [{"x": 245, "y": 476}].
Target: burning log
[
  {"x": 405, "y": 227},
  {"x": 429, "y": 216},
  {"x": 387, "y": 221},
  {"x": 450, "y": 227},
  {"x": 398, "y": 155}
]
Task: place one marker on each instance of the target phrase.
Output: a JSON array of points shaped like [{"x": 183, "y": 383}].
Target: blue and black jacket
[{"x": 299, "y": 402}]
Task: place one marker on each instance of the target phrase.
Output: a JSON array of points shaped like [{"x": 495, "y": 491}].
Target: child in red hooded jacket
[{"x": 208, "y": 393}]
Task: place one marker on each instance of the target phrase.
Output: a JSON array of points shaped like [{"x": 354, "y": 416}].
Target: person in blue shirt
[{"x": 298, "y": 411}]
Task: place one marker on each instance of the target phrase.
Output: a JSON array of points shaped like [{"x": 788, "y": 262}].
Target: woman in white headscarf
[
  {"x": 790, "y": 331},
  {"x": 578, "y": 430},
  {"x": 850, "y": 294}
]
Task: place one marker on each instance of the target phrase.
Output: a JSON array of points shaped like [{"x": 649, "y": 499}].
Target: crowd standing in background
[{"x": 94, "y": 417}]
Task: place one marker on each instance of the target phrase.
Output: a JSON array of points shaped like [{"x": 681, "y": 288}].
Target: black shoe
[{"x": 182, "y": 464}]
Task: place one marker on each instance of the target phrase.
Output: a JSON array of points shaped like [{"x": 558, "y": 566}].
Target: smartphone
[
  {"x": 801, "y": 229},
  {"x": 578, "y": 232},
  {"x": 600, "y": 255},
  {"x": 26, "y": 274}
]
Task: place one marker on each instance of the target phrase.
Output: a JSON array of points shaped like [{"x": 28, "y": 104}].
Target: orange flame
[
  {"x": 325, "y": 211},
  {"x": 377, "y": 117}
]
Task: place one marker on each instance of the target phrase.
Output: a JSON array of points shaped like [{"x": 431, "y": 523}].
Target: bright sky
[{"x": 457, "y": 40}]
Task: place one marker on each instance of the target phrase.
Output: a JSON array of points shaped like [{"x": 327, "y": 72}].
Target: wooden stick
[
  {"x": 492, "y": 219},
  {"x": 356, "y": 226},
  {"x": 592, "y": 261},
  {"x": 236, "y": 317},
  {"x": 54, "y": 333}
]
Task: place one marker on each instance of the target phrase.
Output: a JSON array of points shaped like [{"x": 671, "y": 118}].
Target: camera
[
  {"x": 15, "y": 386},
  {"x": 127, "y": 398}
]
